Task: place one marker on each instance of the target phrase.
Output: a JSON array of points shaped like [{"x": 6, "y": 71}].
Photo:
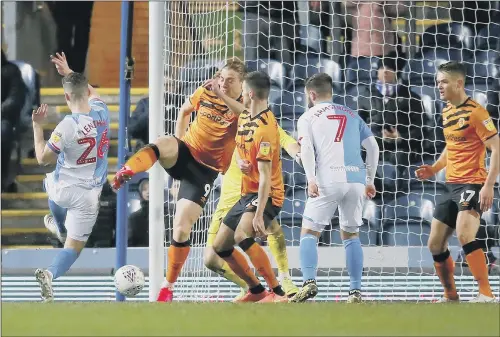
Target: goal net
[{"x": 383, "y": 58}]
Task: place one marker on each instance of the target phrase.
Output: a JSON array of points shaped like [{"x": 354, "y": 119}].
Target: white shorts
[
  {"x": 81, "y": 206},
  {"x": 348, "y": 197}
]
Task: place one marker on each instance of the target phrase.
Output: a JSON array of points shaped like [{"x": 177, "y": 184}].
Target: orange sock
[
  {"x": 239, "y": 265},
  {"x": 477, "y": 266},
  {"x": 261, "y": 262},
  {"x": 144, "y": 159},
  {"x": 445, "y": 270},
  {"x": 177, "y": 256}
]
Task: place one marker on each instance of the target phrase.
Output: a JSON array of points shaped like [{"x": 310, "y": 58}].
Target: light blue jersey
[
  {"x": 335, "y": 133},
  {"x": 81, "y": 141}
]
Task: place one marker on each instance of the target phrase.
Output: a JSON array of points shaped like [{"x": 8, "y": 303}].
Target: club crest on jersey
[
  {"x": 489, "y": 124},
  {"x": 56, "y": 137},
  {"x": 461, "y": 122},
  {"x": 265, "y": 148}
]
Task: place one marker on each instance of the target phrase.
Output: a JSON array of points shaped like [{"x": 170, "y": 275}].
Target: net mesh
[{"x": 293, "y": 40}]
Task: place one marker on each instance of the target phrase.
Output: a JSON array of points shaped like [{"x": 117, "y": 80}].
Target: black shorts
[
  {"x": 248, "y": 203},
  {"x": 459, "y": 197},
  {"x": 196, "y": 179}
]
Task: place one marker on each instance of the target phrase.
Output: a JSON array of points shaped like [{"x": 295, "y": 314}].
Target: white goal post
[{"x": 189, "y": 40}]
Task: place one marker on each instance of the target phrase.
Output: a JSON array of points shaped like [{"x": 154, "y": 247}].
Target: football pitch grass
[{"x": 226, "y": 319}]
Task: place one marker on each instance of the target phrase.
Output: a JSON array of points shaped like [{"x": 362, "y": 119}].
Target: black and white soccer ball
[{"x": 129, "y": 280}]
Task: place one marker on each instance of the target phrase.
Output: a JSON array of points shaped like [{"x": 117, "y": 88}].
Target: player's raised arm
[
  {"x": 63, "y": 69},
  {"x": 46, "y": 153},
  {"x": 231, "y": 103},
  {"x": 307, "y": 155},
  {"x": 183, "y": 117}
]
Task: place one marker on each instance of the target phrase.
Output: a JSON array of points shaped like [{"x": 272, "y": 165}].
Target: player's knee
[
  {"x": 181, "y": 232},
  {"x": 240, "y": 236},
  {"x": 167, "y": 146},
  {"x": 436, "y": 247},
  {"x": 464, "y": 237},
  {"x": 210, "y": 258}
]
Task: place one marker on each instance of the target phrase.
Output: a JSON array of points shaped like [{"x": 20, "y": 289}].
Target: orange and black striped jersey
[
  {"x": 258, "y": 139},
  {"x": 466, "y": 128},
  {"x": 211, "y": 136}
]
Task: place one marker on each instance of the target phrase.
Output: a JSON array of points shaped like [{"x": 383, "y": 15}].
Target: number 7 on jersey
[{"x": 342, "y": 123}]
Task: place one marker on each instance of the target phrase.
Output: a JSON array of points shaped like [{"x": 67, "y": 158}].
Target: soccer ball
[{"x": 129, "y": 280}]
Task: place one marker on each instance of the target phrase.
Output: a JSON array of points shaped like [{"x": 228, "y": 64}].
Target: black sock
[
  {"x": 278, "y": 291},
  {"x": 257, "y": 289}
]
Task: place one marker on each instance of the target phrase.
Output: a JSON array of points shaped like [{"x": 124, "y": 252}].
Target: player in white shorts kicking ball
[
  {"x": 79, "y": 144},
  {"x": 331, "y": 137}
]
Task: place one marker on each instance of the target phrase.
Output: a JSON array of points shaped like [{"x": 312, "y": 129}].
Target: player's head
[
  {"x": 451, "y": 80},
  {"x": 231, "y": 77},
  {"x": 256, "y": 87},
  {"x": 75, "y": 88},
  {"x": 319, "y": 88}
]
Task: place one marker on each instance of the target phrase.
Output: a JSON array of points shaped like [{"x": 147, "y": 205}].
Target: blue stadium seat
[
  {"x": 277, "y": 71},
  {"x": 387, "y": 172},
  {"x": 361, "y": 70},
  {"x": 199, "y": 70},
  {"x": 421, "y": 71},
  {"x": 293, "y": 207},
  {"x": 292, "y": 234},
  {"x": 488, "y": 38},
  {"x": 481, "y": 70},
  {"x": 406, "y": 221},
  {"x": 293, "y": 173},
  {"x": 291, "y": 104},
  {"x": 306, "y": 66},
  {"x": 448, "y": 35}
]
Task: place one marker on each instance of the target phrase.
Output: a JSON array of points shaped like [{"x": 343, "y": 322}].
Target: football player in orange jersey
[
  {"x": 262, "y": 191},
  {"x": 195, "y": 156},
  {"x": 468, "y": 130}
]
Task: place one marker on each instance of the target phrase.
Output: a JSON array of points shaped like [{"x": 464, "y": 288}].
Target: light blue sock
[
  {"x": 62, "y": 262},
  {"x": 308, "y": 256},
  {"x": 354, "y": 262}
]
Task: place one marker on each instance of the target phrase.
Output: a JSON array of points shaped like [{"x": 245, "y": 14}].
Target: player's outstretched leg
[
  {"x": 59, "y": 266},
  {"x": 277, "y": 246},
  {"x": 213, "y": 262},
  {"x": 165, "y": 149},
  {"x": 308, "y": 264},
  {"x": 467, "y": 227},
  {"x": 443, "y": 262},
  {"x": 354, "y": 263}
]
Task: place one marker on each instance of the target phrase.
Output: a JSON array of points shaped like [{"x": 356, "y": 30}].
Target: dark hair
[
  {"x": 260, "y": 83},
  {"x": 321, "y": 83},
  {"x": 454, "y": 68},
  {"x": 76, "y": 85},
  {"x": 237, "y": 65}
]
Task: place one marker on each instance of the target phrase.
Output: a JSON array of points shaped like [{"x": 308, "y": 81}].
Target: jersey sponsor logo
[
  {"x": 349, "y": 168},
  {"x": 455, "y": 138},
  {"x": 265, "y": 148},
  {"x": 215, "y": 118},
  {"x": 489, "y": 124}
]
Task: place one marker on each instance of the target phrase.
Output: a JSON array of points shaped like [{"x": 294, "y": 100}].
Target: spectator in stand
[
  {"x": 270, "y": 29},
  {"x": 396, "y": 114},
  {"x": 139, "y": 119},
  {"x": 13, "y": 99},
  {"x": 72, "y": 20},
  {"x": 138, "y": 222},
  {"x": 139, "y": 122},
  {"x": 372, "y": 33}
]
